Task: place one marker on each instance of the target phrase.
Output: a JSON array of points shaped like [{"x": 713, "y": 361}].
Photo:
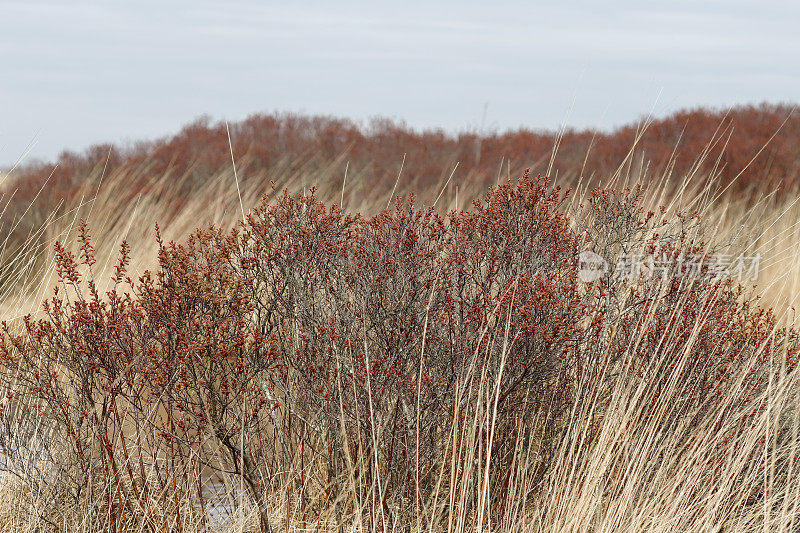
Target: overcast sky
[{"x": 76, "y": 73}]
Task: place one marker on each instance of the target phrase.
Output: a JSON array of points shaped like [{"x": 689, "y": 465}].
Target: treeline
[
  {"x": 201, "y": 148},
  {"x": 757, "y": 141}
]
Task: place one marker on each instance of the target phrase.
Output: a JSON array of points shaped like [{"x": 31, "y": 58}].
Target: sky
[{"x": 77, "y": 73}]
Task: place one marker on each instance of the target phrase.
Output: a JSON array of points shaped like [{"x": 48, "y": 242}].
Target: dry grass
[{"x": 619, "y": 466}]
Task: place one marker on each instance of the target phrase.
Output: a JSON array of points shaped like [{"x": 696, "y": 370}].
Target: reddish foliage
[
  {"x": 263, "y": 141},
  {"x": 307, "y": 332}
]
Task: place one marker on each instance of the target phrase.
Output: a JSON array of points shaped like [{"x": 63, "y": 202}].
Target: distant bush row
[{"x": 736, "y": 136}]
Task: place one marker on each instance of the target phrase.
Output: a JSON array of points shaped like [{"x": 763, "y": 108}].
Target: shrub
[{"x": 356, "y": 362}]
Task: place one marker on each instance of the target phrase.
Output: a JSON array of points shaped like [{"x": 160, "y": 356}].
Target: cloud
[{"x": 101, "y": 71}]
